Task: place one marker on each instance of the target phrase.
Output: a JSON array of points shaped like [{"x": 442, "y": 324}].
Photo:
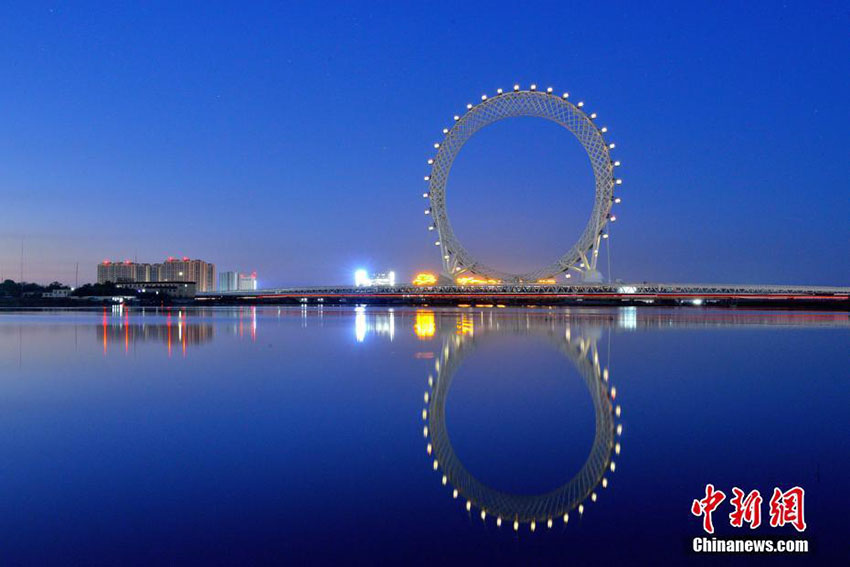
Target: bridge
[{"x": 616, "y": 294}]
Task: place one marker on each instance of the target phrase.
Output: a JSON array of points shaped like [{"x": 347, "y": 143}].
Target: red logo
[
  {"x": 747, "y": 509},
  {"x": 785, "y": 508},
  {"x": 707, "y": 505}
]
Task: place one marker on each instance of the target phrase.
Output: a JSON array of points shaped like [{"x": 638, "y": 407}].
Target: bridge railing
[{"x": 630, "y": 289}]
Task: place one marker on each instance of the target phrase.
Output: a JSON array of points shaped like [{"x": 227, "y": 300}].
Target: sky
[{"x": 292, "y": 138}]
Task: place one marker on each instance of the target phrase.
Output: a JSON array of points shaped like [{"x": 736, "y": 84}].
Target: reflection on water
[
  {"x": 580, "y": 348},
  {"x": 424, "y": 327},
  {"x": 179, "y": 330},
  {"x": 319, "y": 434},
  {"x": 120, "y": 328},
  {"x": 381, "y": 324}
]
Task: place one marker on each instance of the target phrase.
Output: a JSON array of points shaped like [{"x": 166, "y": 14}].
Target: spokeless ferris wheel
[{"x": 583, "y": 255}]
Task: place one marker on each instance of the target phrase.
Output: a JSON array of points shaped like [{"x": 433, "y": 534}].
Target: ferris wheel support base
[{"x": 592, "y": 276}]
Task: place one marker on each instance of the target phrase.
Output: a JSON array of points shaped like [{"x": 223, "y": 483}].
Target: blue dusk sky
[{"x": 292, "y": 138}]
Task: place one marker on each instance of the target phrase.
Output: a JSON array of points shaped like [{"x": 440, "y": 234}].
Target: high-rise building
[
  {"x": 234, "y": 281},
  {"x": 228, "y": 281},
  {"x": 144, "y": 273},
  {"x": 186, "y": 270},
  {"x": 108, "y": 271},
  {"x": 248, "y": 282},
  {"x": 172, "y": 270}
]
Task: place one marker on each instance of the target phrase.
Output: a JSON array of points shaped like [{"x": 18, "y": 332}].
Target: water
[{"x": 297, "y": 435}]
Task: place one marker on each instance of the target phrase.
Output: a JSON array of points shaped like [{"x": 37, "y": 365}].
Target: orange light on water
[
  {"x": 425, "y": 326},
  {"x": 465, "y": 325},
  {"x": 425, "y": 278}
]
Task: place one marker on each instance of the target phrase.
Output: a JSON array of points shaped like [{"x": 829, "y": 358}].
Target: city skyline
[
  {"x": 172, "y": 269},
  {"x": 255, "y": 137}
]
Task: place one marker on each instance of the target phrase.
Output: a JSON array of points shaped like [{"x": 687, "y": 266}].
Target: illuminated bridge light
[
  {"x": 437, "y": 243},
  {"x": 427, "y": 178},
  {"x": 566, "y": 518},
  {"x": 516, "y": 87},
  {"x": 454, "y": 493},
  {"x": 618, "y": 200},
  {"x": 430, "y": 161},
  {"x": 425, "y": 195},
  {"x": 431, "y": 227},
  {"x": 425, "y": 278},
  {"x": 549, "y": 90},
  {"x": 436, "y": 144},
  {"x": 612, "y": 145},
  {"x": 427, "y": 211},
  {"x": 484, "y": 97},
  {"x": 580, "y": 104},
  {"x": 566, "y": 95},
  {"x": 475, "y": 280},
  {"x": 616, "y": 164},
  {"x": 618, "y": 181},
  {"x": 534, "y": 87},
  {"x": 593, "y": 115},
  {"x": 603, "y": 129},
  {"x": 445, "y": 130},
  {"x": 457, "y": 117},
  {"x": 469, "y": 106},
  {"x": 499, "y": 91}
]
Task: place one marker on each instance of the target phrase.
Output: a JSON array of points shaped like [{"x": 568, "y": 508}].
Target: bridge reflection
[
  {"x": 181, "y": 328},
  {"x": 431, "y": 323}
]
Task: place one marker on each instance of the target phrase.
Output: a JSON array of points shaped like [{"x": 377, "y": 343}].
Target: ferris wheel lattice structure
[{"x": 582, "y": 257}]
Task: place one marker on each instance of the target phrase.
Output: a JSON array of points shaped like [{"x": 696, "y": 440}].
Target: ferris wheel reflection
[{"x": 578, "y": 345}]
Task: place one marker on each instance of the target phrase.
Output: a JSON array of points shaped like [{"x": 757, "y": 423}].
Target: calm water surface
[{"x": 311, "y": 435}]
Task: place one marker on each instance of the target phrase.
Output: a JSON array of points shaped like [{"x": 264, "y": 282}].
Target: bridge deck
[{"x": 619, "y": 293}]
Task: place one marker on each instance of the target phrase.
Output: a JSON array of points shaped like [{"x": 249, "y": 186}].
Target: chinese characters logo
[{"x": 784, "y": 508}]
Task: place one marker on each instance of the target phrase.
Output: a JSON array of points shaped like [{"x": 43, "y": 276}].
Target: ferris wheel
[{"x": 582, "y": 257}]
